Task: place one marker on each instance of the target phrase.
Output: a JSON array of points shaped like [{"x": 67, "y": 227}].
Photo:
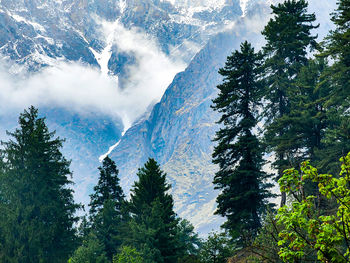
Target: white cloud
[{"x": 80, "y": 87}]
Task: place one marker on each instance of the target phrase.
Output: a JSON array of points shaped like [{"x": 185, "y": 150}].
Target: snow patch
[
  {"x": 110, "y": 150},
  {"x": 244, "y": 4},
  {"x": 102, "y": 157},
  {"x": 36, "y": 26},
  {"x": 122, "y": 6}
]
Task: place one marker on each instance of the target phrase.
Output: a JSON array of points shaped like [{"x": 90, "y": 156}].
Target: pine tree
[
  {"x": 189, "y": 240},
  {"x": 239, "y": 152},
  {"x": 154, "y": 220},
  {"x": 107, "y": 188},
  {"x": 288, "y": 35},
  {"x": 337, "y": 139},
  {"x": 307, "y": 118},
  {"x": 107, "y": 213},
  {"x": 38, "y": 211}
]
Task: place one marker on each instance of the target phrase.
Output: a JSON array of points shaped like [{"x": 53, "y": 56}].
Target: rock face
[
  {"x": 35, "y": 34},
  {"x": 178, "y": 132}
]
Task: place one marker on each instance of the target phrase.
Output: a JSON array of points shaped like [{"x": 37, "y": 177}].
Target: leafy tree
[
  {"x": 38, "y": 211},
  {"x": 306, "y": 228},
  {"x": 107, "y": 213},
  {"x": 288, "y": 35},
  {"x": 265, "y": 246},
  {"x": 216, "y": 249},
  {"x": 154, "y": 225},
  {"x": 91, "y": 251},
  {"x": 128, "y": 255},
  {"x": 239, "y": 152}
]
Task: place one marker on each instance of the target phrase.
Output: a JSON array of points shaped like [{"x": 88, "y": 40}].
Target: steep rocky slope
[
  {"x": 40, "y": 34},
  {"x": 178, "y": 132}
]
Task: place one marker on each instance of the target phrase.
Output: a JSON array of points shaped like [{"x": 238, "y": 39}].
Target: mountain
[
  {"x": 113, "y": 38},
  {"x": 36, "y": 33},
  {"x": 62, "y": 50},
  {"x": 179, "y": 130}
]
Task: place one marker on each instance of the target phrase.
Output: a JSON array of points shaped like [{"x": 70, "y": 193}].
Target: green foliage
[
  {"x": 217, "y": 249},
  {"x": 337, "y": 139},
  {"x": 239, "y": 152},
  {"x": 188, "y": 239},
  {"x": 107, "y": 188},
  {"x": 305, "y": 227},
  {"x": 128, "y": 255},
  {"x": 91, "y": 251},
  {"x": 288, "y": 36},
  {"x": 107, "y": 213},
  {"x": 38, "y": 211},
  {"x": 154, "y": 225},
  {"x": 189, "y": 259},
  {"x": 265, "y": 245}
]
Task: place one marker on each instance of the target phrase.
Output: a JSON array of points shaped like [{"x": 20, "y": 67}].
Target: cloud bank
[{"x": 83, "y": 88}]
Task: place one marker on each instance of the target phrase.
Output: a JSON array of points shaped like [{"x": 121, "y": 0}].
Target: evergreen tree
[
  {"x": 307, "y": 118},
  {"x": 154, "y": 221},
  {"x": 288, "y": 35},
  {"x": 91, "y": 251},
  {"x": 107, "y": 213},
  {"x": 189, "y": 240},
  {"x": 239, "y": 152},
  {"x": 338, "y": 48},
  {"x": 38, "y": 211},
  {"x": 107, "y": 188}
]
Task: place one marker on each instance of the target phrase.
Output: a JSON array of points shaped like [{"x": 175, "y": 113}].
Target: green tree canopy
[
  {"x": 239, "y": 152},
  {"x": 38, "y": 211},
  {"x": 288, "y": 36},
  {"x": 108, "y": 213},
  {"x": 154, "y": 224}
]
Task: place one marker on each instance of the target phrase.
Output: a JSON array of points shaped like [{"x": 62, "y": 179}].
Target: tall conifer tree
[
  {"x": 107, "y": 212},
  {"x": 154, "y": 222},
  {"x": 288, "y": 35},
  {"x": 38, "y": 211},
  {"x": 239, "y": 152},
  {"x": 338, "y": 48}
]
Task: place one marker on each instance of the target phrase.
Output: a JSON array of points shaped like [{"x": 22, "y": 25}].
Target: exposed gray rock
[{"x": 179, "y": 132}]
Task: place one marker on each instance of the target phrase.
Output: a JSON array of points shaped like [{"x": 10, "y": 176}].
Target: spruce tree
[
  {"x": 337, "y": 139},
  {"x": 239, "y": 152},
  {"x": 288, "y": 35},
  {"x": 107, "y": 188},
  {"x": 107, "y": 209},
  {"x": 38, "y": 211},
  {"x": 307, "y": 120},
  {"x": 154, "y": 221}
]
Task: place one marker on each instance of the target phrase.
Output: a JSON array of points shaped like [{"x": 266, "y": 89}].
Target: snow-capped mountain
[
  {"x": 136, "y": 41},
  {"x": 97, "y": 67},
  {"x": 36, "y": 33}
]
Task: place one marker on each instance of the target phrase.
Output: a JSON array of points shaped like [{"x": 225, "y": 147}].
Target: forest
[{"x": 285, "y": 107}]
